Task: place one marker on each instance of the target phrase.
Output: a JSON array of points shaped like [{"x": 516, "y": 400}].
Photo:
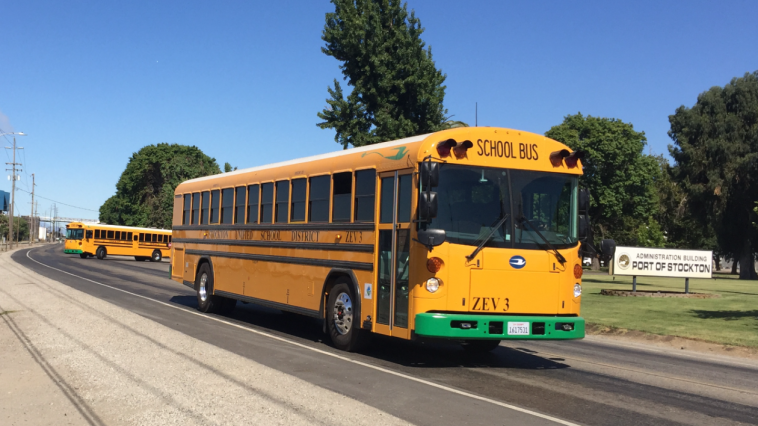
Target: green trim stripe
[
  {"x": 68, "y": 251},
  {"x": 445, "y": 325}
]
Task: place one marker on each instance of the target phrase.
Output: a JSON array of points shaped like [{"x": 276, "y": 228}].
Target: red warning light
[
  {"x": 571, "y": 160},
  {"x": 556, "y": 157},
  {"x": 443, "y": 148}
]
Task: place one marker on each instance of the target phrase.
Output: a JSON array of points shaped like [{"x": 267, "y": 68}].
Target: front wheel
[
  {"x": 157, "y": 256},
  {"x": 480, "y": 345},
  {"x": 101, "y": 253},
  {"x": 343, "y": 320}
]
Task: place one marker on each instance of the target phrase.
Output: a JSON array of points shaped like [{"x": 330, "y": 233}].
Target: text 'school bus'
[
  {"x": 468, "y": 234},
  {"x": 88, "y": 239}
]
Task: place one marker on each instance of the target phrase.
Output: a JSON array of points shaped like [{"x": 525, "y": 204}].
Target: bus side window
[
  {"x": 267, "y": 202},
  {"x": 169, "y": 239},
  {"x": 298, "y": 200},
  {"x": 252, "y": 203},
  {"x": 89, "y": 234},
  {"x": 160, "y": 238},
  {"x": 342, "y": 196},
  {"x": 227, "y": 205},
  {"x": 97, "y": 233},
  {"x": 204, "y": 208},
  {"x": 187, "y": 209},
  {"x": 141, "y": 237},
  {"x": 239, "y": 205},
  {"x": 155, "y": 238},
  {"x": 195, "y": 208},
  {"x": 365, "y": 191},
  {"x": 215, "y": 201},
  {"x": 129, "y": 238},
  {"x": 318, "y": 200},
  {"x": 110, "y": 235},
  {"x": 118, "y": 235},
  {"x": 282, "y": 201}
]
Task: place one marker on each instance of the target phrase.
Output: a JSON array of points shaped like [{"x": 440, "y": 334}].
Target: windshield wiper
[
  {"x": 489, "y": 236},
  {"x": 558, "y": 255}
]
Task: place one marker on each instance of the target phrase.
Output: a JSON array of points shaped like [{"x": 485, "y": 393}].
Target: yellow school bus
[
  {"x": 95, "y": 239},
  {"x": 470, "y": 234}
]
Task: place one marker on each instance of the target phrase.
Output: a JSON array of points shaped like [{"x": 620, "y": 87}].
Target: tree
[
  {"x": 20, "y": 228},
  {"x": 650, "y": 234},
  {"x": 145, "y": 191},
  {"x": 716, "y": 162},
  {"x": 397, "y": 90},
  {"x": 228, "y": 168},
  {"x": 617, "y": 173}
]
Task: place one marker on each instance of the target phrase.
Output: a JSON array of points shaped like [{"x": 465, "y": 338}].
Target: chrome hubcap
[
  {"x": 202, "y": 291},
  {"x": 343, "y": 313}
]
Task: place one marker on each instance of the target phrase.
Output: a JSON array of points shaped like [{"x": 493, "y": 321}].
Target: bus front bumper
[
  {"x": 501, "y": 327},
  {"x": 72, "y": 251}
]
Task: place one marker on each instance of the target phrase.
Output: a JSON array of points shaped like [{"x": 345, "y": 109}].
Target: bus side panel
[
  {"x": 229, "y": 275},
  {"x": 177, "y": 263},
  {"x": 190, "y": 266},
  {"x": 294, "y": 285},
  {"x": 367, "y": 288},
  {"x": 178, "y": 210}
]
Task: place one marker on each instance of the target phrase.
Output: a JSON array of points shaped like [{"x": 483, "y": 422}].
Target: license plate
[{"x": 518, "y": 328}]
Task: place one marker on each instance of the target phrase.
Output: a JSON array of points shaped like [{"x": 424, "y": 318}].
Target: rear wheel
[
  {"x": 101, "y": 253},
  {"x": 206, "y": 301},
  {"x": 480, "y": 345},
  {"x": 157, "y": 256},
  {"x": 342, "y": 319}
]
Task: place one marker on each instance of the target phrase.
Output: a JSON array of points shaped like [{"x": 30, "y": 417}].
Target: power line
[{"x": 58, "y": 202}]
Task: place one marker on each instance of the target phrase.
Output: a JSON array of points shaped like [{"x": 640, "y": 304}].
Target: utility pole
[
  {"x": 13, "y": 170},
  {"x": 31, "y": 219}
]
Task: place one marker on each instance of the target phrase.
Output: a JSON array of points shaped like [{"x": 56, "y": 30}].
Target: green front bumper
[
  {"x": 69, "y": 251},
  {"x": 467, "y": 326}
]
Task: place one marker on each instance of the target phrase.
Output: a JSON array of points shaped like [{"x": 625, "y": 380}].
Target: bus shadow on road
[{"x": 422, "y": 354}]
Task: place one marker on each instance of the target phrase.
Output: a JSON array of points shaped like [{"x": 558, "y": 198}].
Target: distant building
[{"x": 5, "y": 201}]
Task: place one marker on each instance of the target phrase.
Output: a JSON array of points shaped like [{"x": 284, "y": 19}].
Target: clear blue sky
[{"x": 92, "y": 82}]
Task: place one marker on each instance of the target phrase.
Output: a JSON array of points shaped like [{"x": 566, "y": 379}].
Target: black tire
[
  {"x": 101, "y": 253},
  {"x": 83, "y": 255},
  {"x": 343, "y": 322},
  {"x": 156, "y": 256},
  {"x": 480, "y": 346},
  {"x": 206, "y": 301}
]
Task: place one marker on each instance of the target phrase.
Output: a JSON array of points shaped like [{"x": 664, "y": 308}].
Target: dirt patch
[
  {"x": 650, "y": 293},
  {"x": 675, "y": 342}
]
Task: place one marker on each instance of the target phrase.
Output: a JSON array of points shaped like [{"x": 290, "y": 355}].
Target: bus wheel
[
  {"x": 342, "y": 321},
  {"x": 101, "y": 253},
  {"x": 157, "y": 256},
  {"x": 206, "y": 301},
  {"x": 480, "y": 345}
]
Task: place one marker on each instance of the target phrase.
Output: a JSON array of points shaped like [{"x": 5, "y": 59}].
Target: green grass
[{"x": 731, "y": 319}]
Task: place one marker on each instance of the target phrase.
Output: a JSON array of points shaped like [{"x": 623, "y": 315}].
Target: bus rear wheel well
[
  {"x": 203, "y": 260},
  {"x": 333, "y": 277}
]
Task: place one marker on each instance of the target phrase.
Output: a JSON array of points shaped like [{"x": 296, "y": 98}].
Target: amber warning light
[{"x": 459, "y": 148}]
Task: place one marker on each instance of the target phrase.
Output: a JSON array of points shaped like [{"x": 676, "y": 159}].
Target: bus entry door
[{"x": 393, "y": 257}]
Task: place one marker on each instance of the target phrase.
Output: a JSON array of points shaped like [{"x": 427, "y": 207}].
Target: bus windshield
[
  {"x": 472, "y": 200},
  {"x": 74, "y": 234}
]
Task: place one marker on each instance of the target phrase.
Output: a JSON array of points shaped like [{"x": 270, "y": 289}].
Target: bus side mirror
[
  {"x": 584, "y": 200},
  {"x": 430, "y": 174},
  {"x": 431, "y": 237},
  {"x": 427, "y": 205},
  {"x": 583, "y": 230}
]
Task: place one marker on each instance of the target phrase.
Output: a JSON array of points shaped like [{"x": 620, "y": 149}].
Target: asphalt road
[{"x": 592, "y": 381}]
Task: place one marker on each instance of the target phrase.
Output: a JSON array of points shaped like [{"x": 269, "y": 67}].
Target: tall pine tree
[{"x": 397, "y": 90}]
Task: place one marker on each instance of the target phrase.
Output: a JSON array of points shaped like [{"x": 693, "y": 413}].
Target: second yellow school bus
[
  {"x": 96, "y": 239},
  {"x": 470, "y": 234}
]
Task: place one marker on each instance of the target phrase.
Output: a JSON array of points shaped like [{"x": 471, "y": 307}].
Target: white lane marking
[{"x": 363, "y": 364}]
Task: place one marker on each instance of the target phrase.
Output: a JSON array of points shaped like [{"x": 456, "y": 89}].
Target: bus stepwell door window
[
  {"x": 195, "y": 208},
  {"x": 239, "y": 205},
  {"x": 282, "y": 201},
  {"x": 342, "y": 190},
  {"x": 214, "y": 205},
  {"x": 204, "y": 208},
  {"x": 365, "y": 189},
  {"x": 298, "y": 200},
  {"x": 187, "y": 209},
  {"x": 252, "y": 203},
  {"x": 318, "y": 200},
  {"x": 227, "y": 205},
  {"x": 267, "y": 203}
]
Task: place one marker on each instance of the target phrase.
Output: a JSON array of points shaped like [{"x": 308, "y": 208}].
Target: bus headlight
[
  {"x": 433, "y": 284},
  {"x": 577, "y": 290}
]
